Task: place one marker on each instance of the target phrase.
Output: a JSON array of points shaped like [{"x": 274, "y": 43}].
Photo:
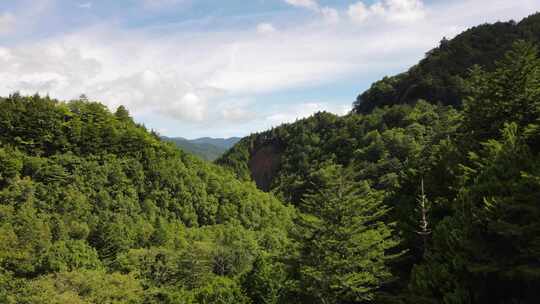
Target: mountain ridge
[
  {"x": 439, "y": 76},
  {"x": 464, "y": 51},
  {"x": 457, "y": 172},
  {"x": 207, "y": 148},
  {"x": 93, "y": 200},
  {"x": 410, "y": 201}
]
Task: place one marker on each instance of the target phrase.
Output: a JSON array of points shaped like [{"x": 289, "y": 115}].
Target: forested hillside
[
  {"x": 460, "y": 185},
  {"x": 439, "y": 77},
  {"x": 225, "y": 143},
  {"x": 95, "y": 209},
  {"x": 207, "y": 148},
  {"x": 424, "y": 199}
]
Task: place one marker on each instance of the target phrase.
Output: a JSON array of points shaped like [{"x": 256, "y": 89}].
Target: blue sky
[{"x": 224, "y": 68}]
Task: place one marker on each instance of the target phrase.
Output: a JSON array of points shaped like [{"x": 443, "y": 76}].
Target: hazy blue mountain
[
  {"x": 220, "y": 142},
  {"x": 207, "y": 148}
]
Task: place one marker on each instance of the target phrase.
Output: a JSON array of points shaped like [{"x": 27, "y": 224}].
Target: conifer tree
[
  {"x": 344, "y": 253},
  {"x": 509, "y": 94},
  {"x": 487, "y": 251}
]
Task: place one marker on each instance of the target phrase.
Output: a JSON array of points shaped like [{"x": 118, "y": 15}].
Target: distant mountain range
[{"x": 206, "y": 147}]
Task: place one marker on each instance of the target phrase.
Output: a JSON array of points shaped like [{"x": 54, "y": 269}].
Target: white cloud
[
  {"x": 303, "y": 110},
  {"x": 86, "y": 5},
  {"x": 23, "y": 19},
  {"x": 7, "y": 23},
  {"x": 237, "y": 114},
  {"x": 197, "y": 77},
  {"x": 405, "y": 10},
  {"x": 309, "y": 4},
  {"x": 42, "y": 81},
  {"x": 189, "y": 107},
  {"x": 329, "y": 14},
  {"x": 5, "y": 54},
  {"x": 265, "y": 28},
  {"x": 358, "y": 12},
  {"x": 156, "y": 4},
  {"x": 390, "y": 10}
]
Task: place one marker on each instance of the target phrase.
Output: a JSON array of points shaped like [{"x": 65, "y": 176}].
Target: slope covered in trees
[
  {"x": 439, "y": 77},
  {"x": 460, "y": 185},
  {"x": 95, "y": 209},
  {"x": 418, "y": 202},
  {"x": 207, "y": 148}
]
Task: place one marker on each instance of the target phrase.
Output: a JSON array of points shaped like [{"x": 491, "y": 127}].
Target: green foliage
[
  {"x": 391, "y": 150},
  {"x": 439, "y": 77},
  {"x": 266, "y": 283},
  {"x": 10, "y": 165},
  {"x": 344, "y": 240},
  {"x": 82, "y": 287},
  {"x": 478, "y": 166},
  {"x": 221, "y": 290},
  {"x": 509, "y": 94},
  {"x": 71, "y": 255},
  {"x": 378, "y": 145},
  {"x": 235, "y": 250},
  {"x": 487, "y": 251},
  {"x": 122, "y": 114},
  {"x": 207, "y": 148},
  {"x": 95, "y": 209}
]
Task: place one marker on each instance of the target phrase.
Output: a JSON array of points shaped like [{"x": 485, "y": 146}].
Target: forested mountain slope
[
  {"x": 461, "y": 185},
  {"x": 95, "y": 209},
  {"x": 439, "y": 77},
  {"x": 225, "y": 143},
  {"x": 207, "y": 148},
  {"x": 416, "y": 202},
  {"x": 205, "y": 151}
]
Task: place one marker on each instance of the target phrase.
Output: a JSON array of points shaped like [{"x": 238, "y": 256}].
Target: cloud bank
[{"x": 222, "y": 79}]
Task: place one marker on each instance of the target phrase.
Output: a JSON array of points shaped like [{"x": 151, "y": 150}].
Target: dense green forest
[
  {"x": 420, "y": 200},
  {"x": 207, "y": 148},
  {"x": 95, "y": 209},
  {"x": 458, "y": 183},
  {"x": 439, "y": 77}
]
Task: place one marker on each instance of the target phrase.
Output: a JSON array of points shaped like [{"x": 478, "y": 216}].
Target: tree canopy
[
  {"x": 439, "y": 77},
  {"x": 458, "y": 187},
  {"x": 96, "y": 209},
  {"x": 420, "y": 199}
]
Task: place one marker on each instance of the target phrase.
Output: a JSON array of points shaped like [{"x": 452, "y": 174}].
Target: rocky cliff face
[{"x": 264, "y": 164}]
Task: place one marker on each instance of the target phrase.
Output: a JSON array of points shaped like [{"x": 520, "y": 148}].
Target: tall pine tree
[{"x": 344, "y": 240}]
